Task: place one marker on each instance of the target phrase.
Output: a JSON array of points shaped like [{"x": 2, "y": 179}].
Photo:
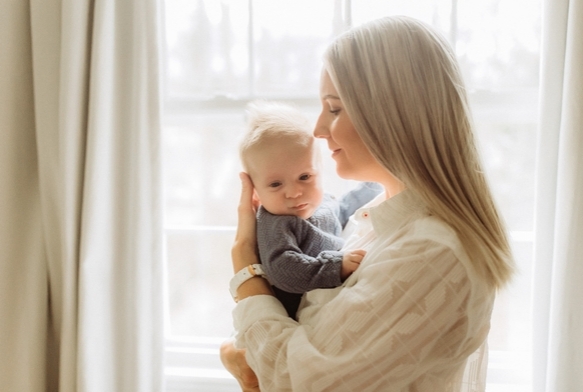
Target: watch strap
[{"x": 244, "y": 275}]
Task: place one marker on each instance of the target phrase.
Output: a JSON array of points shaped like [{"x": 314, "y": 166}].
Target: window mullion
[
  {"x": 453, "y": 24},
  {"x": 251, "y": 50},
  {"x": 347, "y": 14}
]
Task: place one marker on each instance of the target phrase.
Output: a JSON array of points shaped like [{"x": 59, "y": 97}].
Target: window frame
[{"x": 192, "y": 363}]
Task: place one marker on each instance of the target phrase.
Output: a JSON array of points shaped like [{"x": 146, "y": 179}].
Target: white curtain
[
  {"x": 558, "y": 282},
  {"x": 80, "y": 196}
]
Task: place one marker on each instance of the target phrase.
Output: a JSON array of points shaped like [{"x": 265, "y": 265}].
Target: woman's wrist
[
  {"x": 254, "y": 286},
  {"x": 243, "y": 255}
]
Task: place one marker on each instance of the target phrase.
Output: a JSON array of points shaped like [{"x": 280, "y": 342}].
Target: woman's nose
[{"x": 321, "y": 128}]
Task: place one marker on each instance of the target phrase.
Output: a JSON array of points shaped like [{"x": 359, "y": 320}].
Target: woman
[{"x": 416, "y": 313}]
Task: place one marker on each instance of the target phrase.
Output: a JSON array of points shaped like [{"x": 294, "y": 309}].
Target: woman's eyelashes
[{"x": 333, "y": 107}]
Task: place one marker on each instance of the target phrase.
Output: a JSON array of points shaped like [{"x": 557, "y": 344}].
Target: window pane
[
  {"x": 201, "y": 166},
  {"x": 199, "y": 272},
  {"x": 506, "y": 130},
  {"x": 290, "y": 38},
  {"x": 498, "y": 43},
  {"x": 435, "y": 12},
  {"x": 207, "y": 47}
]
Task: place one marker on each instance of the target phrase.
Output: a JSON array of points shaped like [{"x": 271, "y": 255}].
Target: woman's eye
[
  {"x": 305, "y": 177},
  {"x": 335, "y": 111},
  {"x": 274, "y": 184}
]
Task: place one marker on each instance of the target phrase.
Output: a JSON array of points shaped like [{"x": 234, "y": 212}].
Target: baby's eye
[
  {"x": 274, "y": 184},
  {"x": 305, "y": 177}
]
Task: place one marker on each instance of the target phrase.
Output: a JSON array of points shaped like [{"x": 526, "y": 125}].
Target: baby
[{"x": 298, "y": 225}]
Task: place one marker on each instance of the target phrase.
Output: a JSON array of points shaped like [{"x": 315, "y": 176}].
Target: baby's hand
[{"x": 350, "y": 262}]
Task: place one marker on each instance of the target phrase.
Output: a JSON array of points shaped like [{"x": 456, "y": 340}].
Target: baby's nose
[{"x": 293, "y": 191}]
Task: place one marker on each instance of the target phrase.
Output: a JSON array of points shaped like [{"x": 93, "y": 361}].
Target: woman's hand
[
  {"x": 244, "y": 249},
  {"x": 234, "y": 361}
]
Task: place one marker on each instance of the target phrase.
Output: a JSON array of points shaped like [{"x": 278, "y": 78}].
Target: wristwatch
[{"x": 242, "y": 276}]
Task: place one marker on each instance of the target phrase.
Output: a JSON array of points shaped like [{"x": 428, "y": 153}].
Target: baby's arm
[{"x": 350, "y": 262}]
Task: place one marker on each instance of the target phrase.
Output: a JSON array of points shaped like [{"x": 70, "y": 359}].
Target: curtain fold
[
  {"x": 82, "y": 275},
  {"x": 23, "y": 269},
  {"x": 558, "y": 263}
]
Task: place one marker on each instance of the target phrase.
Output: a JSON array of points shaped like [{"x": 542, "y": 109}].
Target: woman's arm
[
  {"x": 243, "y": 252},
  {"x": 406, "y": 316}
]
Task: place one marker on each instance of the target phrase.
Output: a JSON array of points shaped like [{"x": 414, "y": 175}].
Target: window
[{"x": 223, "y": 53}]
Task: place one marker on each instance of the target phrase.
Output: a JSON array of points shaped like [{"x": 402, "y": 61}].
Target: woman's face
[{"x": 353, "y": 159}]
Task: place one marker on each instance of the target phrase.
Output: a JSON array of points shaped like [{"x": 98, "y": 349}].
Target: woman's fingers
[
  {"x": 247, "y": 192},
  {"x": 246, "y": 189},
  {"x": 247, "y": 210},
  {"x": 243, "y": 252}
]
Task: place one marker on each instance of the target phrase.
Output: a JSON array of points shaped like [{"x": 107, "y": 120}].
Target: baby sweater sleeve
[{"x": 296, "y": 255}]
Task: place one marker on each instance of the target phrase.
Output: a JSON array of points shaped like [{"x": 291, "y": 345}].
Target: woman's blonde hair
[{"x": 400, "y": 84}]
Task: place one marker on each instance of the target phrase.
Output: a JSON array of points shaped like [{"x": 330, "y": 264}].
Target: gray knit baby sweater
[{"x": 298, "y": 254}]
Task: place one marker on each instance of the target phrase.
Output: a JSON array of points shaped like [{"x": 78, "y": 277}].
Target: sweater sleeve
[
  {"x": 287, "y": 267},
  {"x": 404, "y": 318}
]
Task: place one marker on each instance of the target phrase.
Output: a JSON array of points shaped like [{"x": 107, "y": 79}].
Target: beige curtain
[
  {"x": 558, "y": 281},
  {"x": 80, "y": 199}
]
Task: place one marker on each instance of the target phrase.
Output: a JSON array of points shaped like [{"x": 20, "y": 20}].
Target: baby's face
[{"x": 287, "y": 179}]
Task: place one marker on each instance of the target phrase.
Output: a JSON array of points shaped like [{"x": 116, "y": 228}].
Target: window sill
[{"x": 193, "y": 364}]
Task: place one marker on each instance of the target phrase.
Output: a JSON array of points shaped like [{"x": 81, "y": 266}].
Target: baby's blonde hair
[
  {"x": 400, "y": 84},
  {"x": 270, "y": 122}
]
